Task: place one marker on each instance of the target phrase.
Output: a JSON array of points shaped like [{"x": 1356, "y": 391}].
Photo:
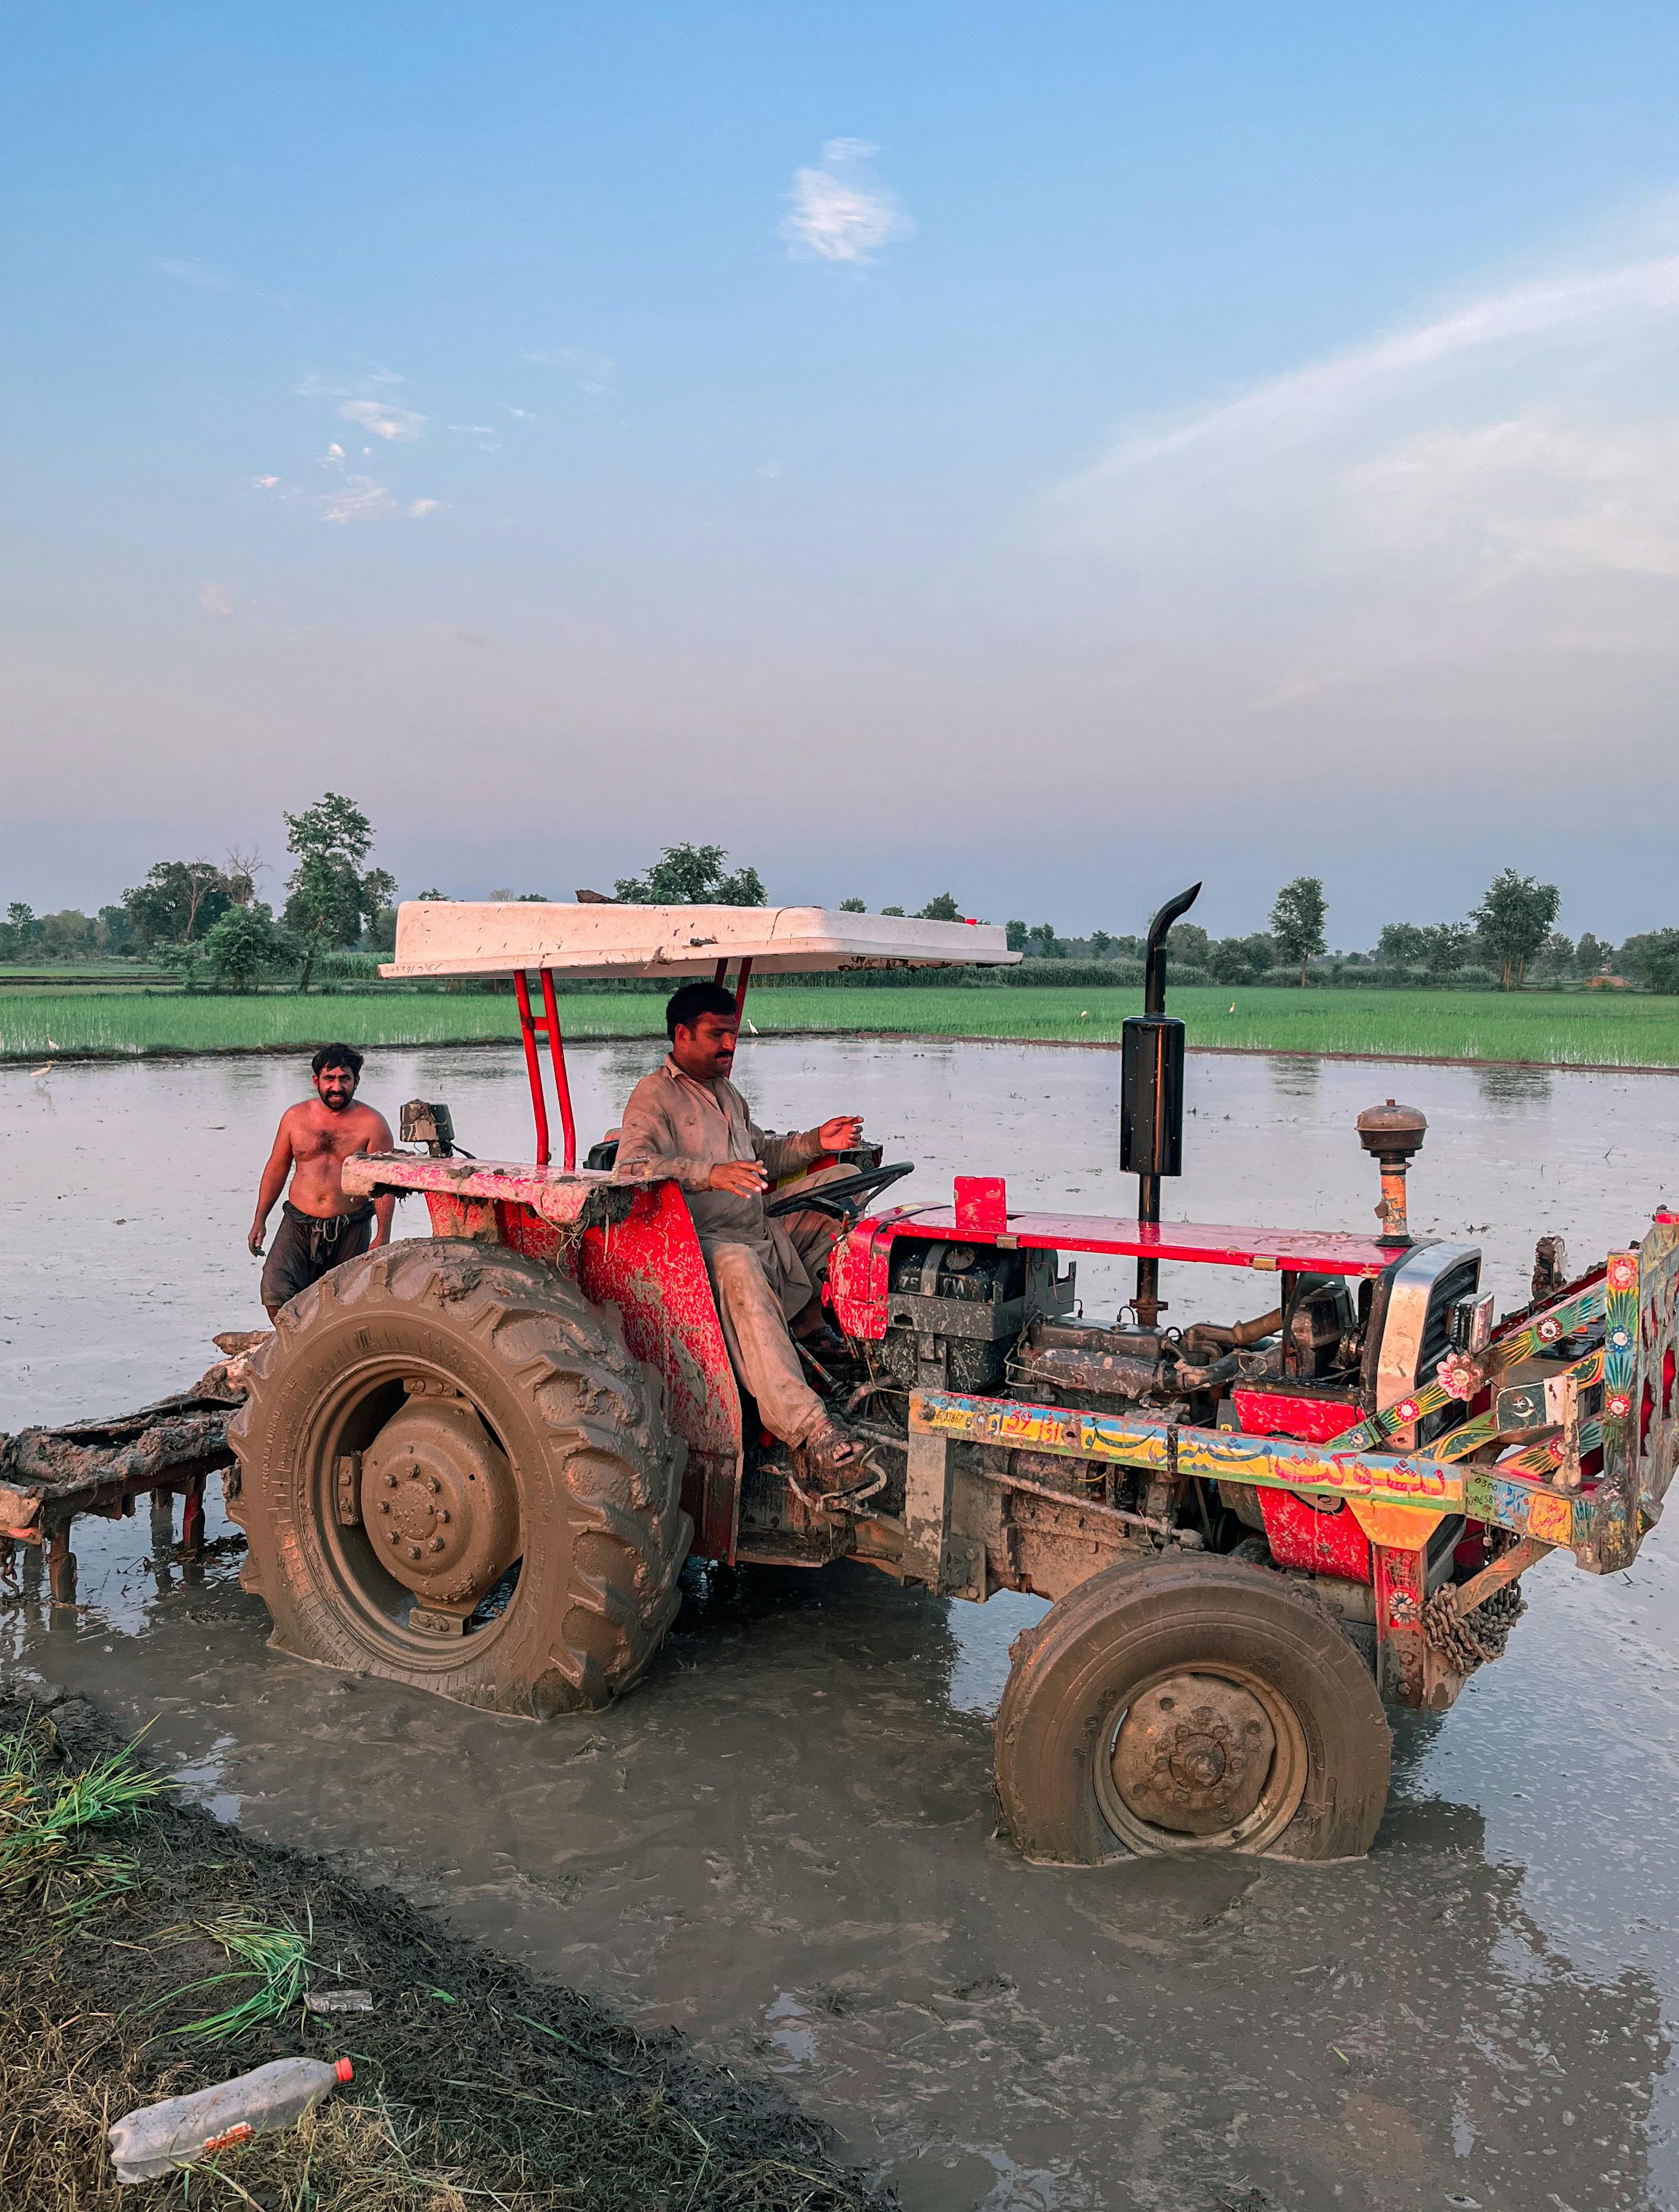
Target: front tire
[
  {"x": 469, "y": 1410},
  {"x": 1185, "y": 1703}
]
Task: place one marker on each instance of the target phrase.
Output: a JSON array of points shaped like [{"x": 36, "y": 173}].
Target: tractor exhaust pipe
[{"x": 1151, "y": 1097}]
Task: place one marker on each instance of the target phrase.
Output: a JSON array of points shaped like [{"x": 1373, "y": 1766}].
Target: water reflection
[{"x": 1514, "y": 1086}]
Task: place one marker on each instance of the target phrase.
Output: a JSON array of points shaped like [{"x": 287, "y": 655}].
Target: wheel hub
[
  {"x": 1193, "y": 1754},
  {"x": 439, "y": 1502}
]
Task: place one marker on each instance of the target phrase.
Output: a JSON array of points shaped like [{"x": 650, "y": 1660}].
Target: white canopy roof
[{"x": 445, "y": 936}]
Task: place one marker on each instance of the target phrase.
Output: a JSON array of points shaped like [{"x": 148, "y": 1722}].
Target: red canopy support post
[
  {"x": 533, "y": 1066},
  {"x": 563, "y": 1088},
  {"x": 743, "y": 976},
  {"x": 722, "y": 970}
]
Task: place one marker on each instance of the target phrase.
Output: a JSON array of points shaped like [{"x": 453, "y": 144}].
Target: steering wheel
[{"x": 843, "y": 1198}]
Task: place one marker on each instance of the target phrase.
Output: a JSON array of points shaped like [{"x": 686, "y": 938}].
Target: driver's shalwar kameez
[{"x": 677, "y": 1130}]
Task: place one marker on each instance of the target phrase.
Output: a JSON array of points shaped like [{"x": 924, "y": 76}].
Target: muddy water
[{"x": 784, "y": 1843}]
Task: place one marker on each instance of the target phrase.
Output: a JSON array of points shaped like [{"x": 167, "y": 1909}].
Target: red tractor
[{"x": 477, "y": 1463}]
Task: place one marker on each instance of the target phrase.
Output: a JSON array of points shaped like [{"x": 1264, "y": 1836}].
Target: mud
[
  {"x": 560, "y": 2093},
  {"x": 784, "y": 1843}
]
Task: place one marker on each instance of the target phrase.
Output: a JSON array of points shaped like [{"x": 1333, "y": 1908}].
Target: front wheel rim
[
  {"x": 375, "y": 1605},
  {"x": 1144, "y": 1784}
]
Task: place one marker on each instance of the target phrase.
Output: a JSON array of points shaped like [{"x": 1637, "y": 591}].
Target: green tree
[
  {"x": 941, "y": 908},
  {"x": 116, "y": 930},
  {"x": 1514, "y": 918},
  {"x": 1240, "y": 959},
  {"x": 895, "y": 910},
  {"x": 245, "y": 945},
  {"x": 1045, "y": 943},
  {"x": 1101, "y": 944},
  {"x": 1556, "y": 957},
  {"x": 1593, "y": 956},
  {"x": 1187, "y": 943},
  {"x": 1653, "y": 960},
  {"x": 20, "y": 932},
  {"x": 1297, "y": 921},
  {"x": 692, "y": 875},
  {"x": 1014, "y": 936},
  {"x": 178, "y": 902},
  {"x": 433, "y": 895},
  {"x": 66, "y": 935},
  {"x": 329, "y": 892},
  {"x": 1443, "y": 947},
  {"x": 852, "y": 906},
  {"x": 1400, "y": 945}
]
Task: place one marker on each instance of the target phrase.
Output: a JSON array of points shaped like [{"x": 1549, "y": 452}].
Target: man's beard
[{"x": 335, "y": 1100}]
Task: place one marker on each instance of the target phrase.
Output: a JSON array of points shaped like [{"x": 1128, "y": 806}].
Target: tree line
[
  {"x": 1509, "y": 938},
  {"x": 204, "y": 919}
]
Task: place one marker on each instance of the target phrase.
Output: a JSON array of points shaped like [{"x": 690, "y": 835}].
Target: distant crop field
[{"x": 1616, "y": 1030}]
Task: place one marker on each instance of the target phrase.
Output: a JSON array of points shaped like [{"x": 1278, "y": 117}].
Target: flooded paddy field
[{"x": 785, "y": 1843}]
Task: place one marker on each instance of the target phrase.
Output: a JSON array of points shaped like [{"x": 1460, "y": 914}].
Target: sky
[{"x": 1051, "y": 454}]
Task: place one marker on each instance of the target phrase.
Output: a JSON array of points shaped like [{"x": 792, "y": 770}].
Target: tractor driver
[
  {"x": 319, "y": 1227},
  {"x": 686, "y": 1123}
]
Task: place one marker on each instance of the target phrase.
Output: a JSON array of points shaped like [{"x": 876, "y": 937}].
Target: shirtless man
[
  {"x": 318, "y": 1228},
  {"x": 686, "y": 1123}
]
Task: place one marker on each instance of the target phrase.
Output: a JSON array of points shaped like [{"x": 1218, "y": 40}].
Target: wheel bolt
[
  {"x": 432, "y": 1485},
  {"x": 390, "y": 1480},
  {"x": 392, "y": 1537},
  {"x": 436, "y": 1544},
  {"x": 441, "y": 1511},
  {"x": 413, "y": 1550},
  {"x": 384, "y": 1505}
]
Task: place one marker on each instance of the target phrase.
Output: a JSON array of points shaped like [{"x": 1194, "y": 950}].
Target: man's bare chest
[{"x": 333, "y": 1142}]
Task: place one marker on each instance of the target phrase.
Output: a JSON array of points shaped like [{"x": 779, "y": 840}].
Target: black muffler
[{"x": 1151, "y": 1096}]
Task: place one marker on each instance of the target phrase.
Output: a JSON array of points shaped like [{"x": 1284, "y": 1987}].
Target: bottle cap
[{"x": 345, "y": 2070}]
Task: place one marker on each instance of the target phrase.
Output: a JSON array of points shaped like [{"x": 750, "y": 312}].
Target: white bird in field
[
  {"x": 52, "y": 1043},
  {"x": 1084, "y": 1014},
  {"x": 751, "y": 1026},
  {"x": 1232, "y": 1005},
  {"x": 47, "y": 1069}
]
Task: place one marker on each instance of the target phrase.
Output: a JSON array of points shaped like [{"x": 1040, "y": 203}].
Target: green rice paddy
[{"x": 1610, "y": 1030}]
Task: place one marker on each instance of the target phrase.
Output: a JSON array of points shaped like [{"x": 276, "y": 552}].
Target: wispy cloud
[
  {"x": 215, "y": 599},
  {"x": 1529, "y": 434},
  {"x": 358, "y": 499},
  {"x": 368, "y": 384},
  {"x": 398, "y": 426},
  {"x": 838, "y": 212},
  {"x": 591, "y": 372},
  {"x": 1322, "y": 389},
  {"x": 186, "y": 270},
  {"x": 1465, "y": 527}
]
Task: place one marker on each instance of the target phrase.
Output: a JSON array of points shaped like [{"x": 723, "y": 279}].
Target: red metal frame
[
  {"x": 859, "y": 1272},
  {"x": 533, "y": 1066},
  {"x": 743, "y": 976},
  {"x": 529, "y": 1029}
]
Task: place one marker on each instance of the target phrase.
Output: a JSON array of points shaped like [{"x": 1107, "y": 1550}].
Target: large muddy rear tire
[
  {"x": 492, "y": 1386},
  {"x": 1185, "y": 1703}
]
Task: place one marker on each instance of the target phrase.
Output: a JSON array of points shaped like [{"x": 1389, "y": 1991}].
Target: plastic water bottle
[{"x": 147, "y": 2144}]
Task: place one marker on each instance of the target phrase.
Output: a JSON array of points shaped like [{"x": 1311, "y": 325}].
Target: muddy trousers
[{"x": 754, "y": 1311}]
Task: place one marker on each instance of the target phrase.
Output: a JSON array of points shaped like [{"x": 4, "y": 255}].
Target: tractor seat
[{"x": 603, "y": 1155}]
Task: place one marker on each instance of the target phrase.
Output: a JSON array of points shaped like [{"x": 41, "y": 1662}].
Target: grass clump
[
  {"x": 57, "y": 1861},
  {"x": 276, "y": 1959}
]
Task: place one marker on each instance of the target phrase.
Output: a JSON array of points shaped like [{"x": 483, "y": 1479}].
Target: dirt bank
[{"x": 473, "y": 2079}]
